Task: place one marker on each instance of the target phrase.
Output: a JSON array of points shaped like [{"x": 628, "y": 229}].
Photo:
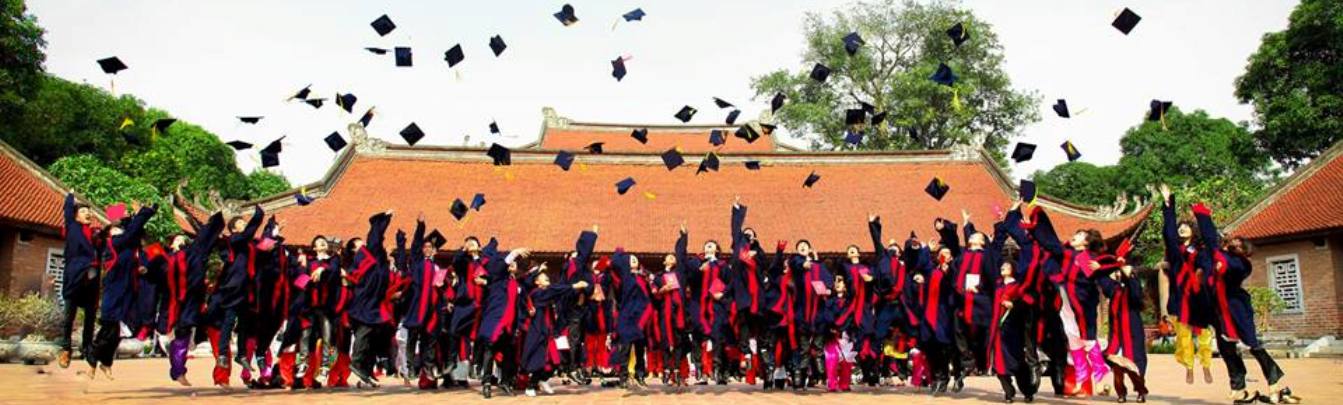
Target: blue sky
[{"x": 209, "y": 61}]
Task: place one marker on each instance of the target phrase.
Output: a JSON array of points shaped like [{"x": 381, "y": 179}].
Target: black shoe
[
  {"x": 959, "y": 385},
  {"x": 1122, "y": 399},
  {"x": 1031, "y": 398},
  {"x": 1246, "y": 398},
  {"x": 486, "y": 391}
]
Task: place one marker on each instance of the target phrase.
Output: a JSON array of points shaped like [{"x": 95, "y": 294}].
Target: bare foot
[
  {"x": 107, "y": 372},
  {"x": 1189, "y": 376},
  {"x": 93, "y": 373},
  {"x": 64, "y": 359},
  {"x": 183, "y": 380},
  {"x": 1207, "y": 375}
]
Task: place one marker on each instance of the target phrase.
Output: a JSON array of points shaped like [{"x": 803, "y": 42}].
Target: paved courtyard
[{"x": 145, "y": 381}]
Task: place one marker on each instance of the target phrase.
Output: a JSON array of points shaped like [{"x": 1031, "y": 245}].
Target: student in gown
[
  {"x": 572, "y": 308},
  {"x": 1074, "y": 269},
  {"x": 123, "y": 244},
  {"x": 669, "y": 299},
  {"x": 779, "y": 322},
  {"x": 838, "y": 313},
  {"x": 498, "y": 321},
  {"x": 812, "y": 282},
  {"x": 230, "y": 296},
  {"x": 634, "y": 318},
  {"x": 1186, "y": 307},
  {"x": 271, "y": 304},
  {"x": 191, "y": 299},
  {"x": 1127, "y": 347},
  {"x": 894, "y": 319},
  {"x": 369, "y": 279},
  {"x": 1234, "y": 314},
  {"x": 325, "y": 293},
  {"x": 1009, "y": 330},
  {"x": 746, "y": 276},
  {"x": 540, "y": 353},
  {"x": 79, "y": 278},
  {"x": 421, "y": 318},
  {"x": 468, "y": 264},
  {"x": 975, "y": 277},
  {"x": 861, "y": 311},
  {"x": 692, "y": 279},
  {"x": 937, "y": 330}
]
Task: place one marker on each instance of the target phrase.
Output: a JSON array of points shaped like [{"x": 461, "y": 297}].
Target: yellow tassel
[
  {"x": 126, "y": 122},
  {"x": 650, "y": 195},
  {"x": 1163, "y": 120},
  {"x": 956, "y": 100}
]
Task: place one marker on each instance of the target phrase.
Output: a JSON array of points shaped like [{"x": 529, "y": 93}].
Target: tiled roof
[
  {"x": 28, "y": 194},
  {"x": 1310, "y": 201},
  {"x": 561, "y": 133},
  {"x": 535, "y": 204}
]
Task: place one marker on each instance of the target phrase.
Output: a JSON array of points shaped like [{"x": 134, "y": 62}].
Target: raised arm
[
  {"x": 1170, "y": 236},
  {"x": 253, "y": 223},
  {"x": 874, "y": 230},
  {"x": 587, "y": 242},
  {"x": 950, "y": 239},
  {"x": 738, "y": 221},
  {"x": 681, "y": 242},
  {"x": 1045, "y": 235},
  {"x": 416, "y": 240},
  {"x": 70, "y": 210},
  {"x": 1206, "y": 228},
  {"x": 377, "y": 232},
  {"x": 207, "y": 236},
  {"x": 136, "y": 229}
]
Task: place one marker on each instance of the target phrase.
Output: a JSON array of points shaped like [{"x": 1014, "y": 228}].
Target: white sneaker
[
  {"x": 545, "y": 387},
  {"x": 531, "y": 392}
]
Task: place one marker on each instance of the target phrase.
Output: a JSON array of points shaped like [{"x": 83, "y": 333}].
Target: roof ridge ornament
[
  {"x": 553, "y": 119},
  {"x": 965, "y": 152},
  {"x": 364, "y": 143}
]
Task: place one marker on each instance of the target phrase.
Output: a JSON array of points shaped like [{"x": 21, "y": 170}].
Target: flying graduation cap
[
  {"x": 672, "y": 159},
  {"x": 958, "y": 34},
  {"x": 494, "y": 127},
  {"x": 820, "y": 72},
  {"x": 686, "y": 113},
  {"x": 937, "y": 188},
  {"x": 811, "y": 180},
  {"x": 1126, "y": 20},
  {"x": 302, "y": 94},
  {"x": 625, "y": 185},
  {"x": 376, "y": 51},
  {"x": 250, "y": 120},
  {"x": 853, "y": 42},
  {"x": 1023, "y": 152},
  {"x": 564, "y": 160},
  {"x": 618, "y": 68},
  {"x": 497, "y": 45},
  {"x": 1027, "y": 191},
  {"x": 270, "y": 155},
  {"x": 412, "y": 134},
  {"x": 404, "y": 58},
  {"x": 595, "y": 147},
  {"x": 458, "y": 209},
  {"x": 454, "y": 55},
  {"x": 640, "y": 135},
  {"x": 752, "y": 165},
  {"x": 111, "y": 65},
  {"x": 239, "y": 145},
  {"x": 732, "y": 117},
  {"x": 721, "y": 103},
  {"x": 853, "y": 137},
  {"x": 436, "y": 239},
  {"x": 315, "y": 102},
  {"x": 302, "y": 198},
  {"x": 162, "y": 124},
  {"x": 335, "y": 142},
  {"x": 1157, "y": 110},
  {"x": 501, "y": 155},
  {"x": 367, "y": 118},
  {"x": 855, "y": 116},
  {"x": 748, "y": 133},
  {"x": 716, "y": 137},
  {"x": 878, "y": 118},
  {"x": 566, "y": 15},
  {"x": 710, "y": 162},
  {"x": 1071, "y": 150},
  {"x": 1061, "y": 108},
  {"x": 944, "y": 75},
  {"x": 346, "y": 101},
  {"x": 478, "y": 201},
  {"x": 383, "y": 25},
  {"x": 635, "y": 15},
  {"x": 777, "y": 102}
]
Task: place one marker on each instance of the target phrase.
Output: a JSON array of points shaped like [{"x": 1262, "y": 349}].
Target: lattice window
[
  {"x": 56, "y": 271},
  {"x": 1284, "y": 276}
]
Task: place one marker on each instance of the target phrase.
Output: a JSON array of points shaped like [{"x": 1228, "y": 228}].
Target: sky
[{"x": 209, "y": 61}]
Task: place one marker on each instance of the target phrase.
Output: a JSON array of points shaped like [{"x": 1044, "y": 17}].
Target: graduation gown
[
  {"x": 1127, "y": 337},
  {"x": 808, "y": 303},
  {"x": 691, "y": 278},
  {"x": 420, "y": 295},
  {"x": 745, "y": 270},
  {"x": 196, "y": 259},
  {"x": 892, "y": 282},
  {"x": 175, "y": 282},
  {"x": 862, "y": 308},
  {"x": 80, "y": 254},
  {"x": 232, "y": 290},
  {"x": 1233, "y": 313},
  {"x": 1069, "y": 269},
  {"x": 370, "y": 276},
  {"x": 499, "y": 313},
  {"x": 469, "y": 296},
  {"x": 976, "y": 308},
  {"x": 670, "y": 304},
  {"x": 271, "y": 281},
  {"x": 150, "y": 288},
  {"x": 539, "y": 352},
  {"x": 1185, "y": 298},
  {"x": 635, "y": 313},
  {"x": 119, "y": 282},
  {"x": 1008, "y": 329},
  {"x": 939, "y": 295}
]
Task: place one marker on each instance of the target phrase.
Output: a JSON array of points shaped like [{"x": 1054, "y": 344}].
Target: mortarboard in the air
[
  {"x": 716, "y": 137},
  {"x": 878, "y": 118},
  {"x": 853, "y": 137},
  {"x": 564, "y": 160},
  {"x": 436, "y": 239},
  {"x": 618, "y": 68},
  {"x": 1061, "y": 108},
  {"x": 162, "y": 124},
  {"x": 301, "y": 197},
  {"x": 752, "y": 165},
  {"x": 867, "y": 107},
  {"x": 478, "y": 201},
  {"x": 853, "y": 42},
  {"x": 1027, "y": 191},
  {"x": 1157, "y": 110},
  {"x": 672, "y": 158},
  {"x": 566, "y": 15},
  {"x": 595, "y": 147},
  {"x": 640, "y": 135},
  {"x": 820, "y": 72},
  {"x": 1023, "y": 152},
  {"x": 403, "y": 57},
  {"x": 497, "y": 45},
  {"x": 958, "y": 34},
  {"x": 454, "y": 55},
  {"x": 250, "y": 120},
  {"x": 412, "y": 134},
  {"x": 767, "y": 129},
  {"x": 686, "y": 113},
  {"x": 1071, "y": 150},
  {"x": 501, "y": 155},
  {"x": 270, "y": 155},
  {"x": 732, "y": 117},
  {"x": 811, "y": 180},
  {"x": 383, "y": 25},
  {"x": 302, "y": 94},
  {"x": 937, "y": 188},
  {"x": 111, "y": 65},
  {"x": 376, "y": 51},
  {"x": 944, "y": 75},
  {"x": 625, "y": 185},
  {"x": 855, "y": 116},
  {"x": 335, "y": 142},
  {"x": 777, "y": 102},
  {"x": 367, "y": 118},
  {"x": 721, "y": 103},
  {"x": 346, "y": 101},
  {"x": 748, "y": 133},
  {"x": 710, "y": 162},
  {"x": 494, "y": 127},
  {"x": 1126, "y": 20},
  {"x": 635, "y": 15},
  {"x": 315, "y": 102},
  {"x": 458, "y": 209},
  {"x": 239, "y": 145}
]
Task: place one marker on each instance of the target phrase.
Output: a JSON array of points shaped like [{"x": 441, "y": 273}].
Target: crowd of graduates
[{"x": 1014, "y": 301}]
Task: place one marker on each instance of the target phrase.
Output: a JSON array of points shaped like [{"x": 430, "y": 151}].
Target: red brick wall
[
  {"x": 1321, "y": 286},
  {"x": 22, "y": 263}
]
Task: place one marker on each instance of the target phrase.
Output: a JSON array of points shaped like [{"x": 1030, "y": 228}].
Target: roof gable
[{"x": 1311, "y": 201}]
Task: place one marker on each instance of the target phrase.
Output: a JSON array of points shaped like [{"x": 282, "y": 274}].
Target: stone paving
[{"x": 145, "y": 381}]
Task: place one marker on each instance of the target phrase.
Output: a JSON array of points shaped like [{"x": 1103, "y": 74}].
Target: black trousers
[
  {"x": 105, "y": 344},
  {"x": 1054, "y": 345},
  {"x": 363, "y": 356},
  {"x": 1139, "y": 381},
  {"x": 807, "y": 369},
  {"x": 939, "y": 359},
  {"x": 507, "y": 366},
  {"x": 971, "y": 347},
  {"x": 622, "y": 359},
  {"x": 420, "y": 347},
  {"x": 675, "y": 353},
  {"x": 226, "y": 325},
  {"x": 1235, "y": 364},
  {"x": 85, "y": 298}
]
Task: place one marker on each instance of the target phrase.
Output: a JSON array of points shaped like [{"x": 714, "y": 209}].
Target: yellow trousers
[{"x": 1185, "y": 342}]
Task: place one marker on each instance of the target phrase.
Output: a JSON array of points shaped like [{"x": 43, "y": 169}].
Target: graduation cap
[
  {"x": 478, "y": 201},
  {"x": 403, "y": 56},
  {"x": 853, "y": 138},
  {"x": 454, "y": 55},
  {"x": 501, "y": 155},
  {"x": 958, "y": 34},
  {"x": 1023, "y": 152},
  {"x": 748, "y": 133},
  {"x": 1027, "y": 191},
  {"x": 721, "y": 103},
  {"x": 1126, "y": 20},
  {"x": 618, "y": 68},
  {"x": 686, "y": 113},
  {"x": 672, "y": 158},
  {"x": 820, "y": 72},
  {"x": 335, "y": 142},
  {"x": 458, "y": 209},
  {"x": 732, "y": 117},
  {"x": 302, "y": 94},
  {"x": 855, "y": 116},
  {"x": 383, "y": 25},
  {"x": 1157, "y": 110},
  {"x": 270, "y": 155},
  {"x": 566, "y": 15},
  {"x": 937, "y": 188},
  {"x": 564, "y": 160},
  {"x": 595, "y": 147},
  {"x": 376, "y": 51},
  {"x": 636, "y": 15},
  {"x": 625, "y": 185},
  {"x": 878, "y": 118},
  {"x": 367, "y": 118},
  {"x": 111, "y": 65},
  {"x": 944, "y": 75},
  {"x": 494, "y": 127},
  {"x": 315, "y": 102},
  {"x": 777, "y": 102},
  {"x": 716, "y": 137},
  {"x": 250, "y": 120},
  {"x": 436, "y": 239},
  {"x": 853, "y": 42},
  {"x": 710, "y": 162},
  {"x": 302, "y": 198},
  {"x": 497, "y": 45},
  {"x": 346, "y": 101},
  {"x": 867, "y": 108},
  {"x": 640, "y": 135},
  {"x": 1061, "y": 108},
  {"x": 239, "y": 145},
  {"x": 412, "y": 134},
  {"x": 811, "y": 180},
  {"x": 752, "y": 165},
  {"x": 162, "y": 124},
  {"x": 1071, "y": 150}
]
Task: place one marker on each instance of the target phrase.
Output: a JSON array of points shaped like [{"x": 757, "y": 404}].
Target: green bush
[
  {"x": 30, "y": 315},
  {"x": 105, "y": 186},
  {"x": 1266, "y": 303}
]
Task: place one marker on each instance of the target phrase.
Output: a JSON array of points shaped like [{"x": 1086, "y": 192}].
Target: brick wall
[
  {"x": 1320, "y": 269},
  {"x": 22, "y": 263}
]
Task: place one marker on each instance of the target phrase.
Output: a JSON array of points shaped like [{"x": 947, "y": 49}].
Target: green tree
[
  {"x": 262, "y": 183},
  {"x": 1078, "y": 182},
  {"x": 1295, "y": 82},
  {"x": 21, "y": 55},
  {"x": 1226, "y": 196},
  {"x": 186, "y": 151},
  {"x": 66, "y": 118},
  {"x": 905, "y": 43},
  {"x": 104, "y": 186}
]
